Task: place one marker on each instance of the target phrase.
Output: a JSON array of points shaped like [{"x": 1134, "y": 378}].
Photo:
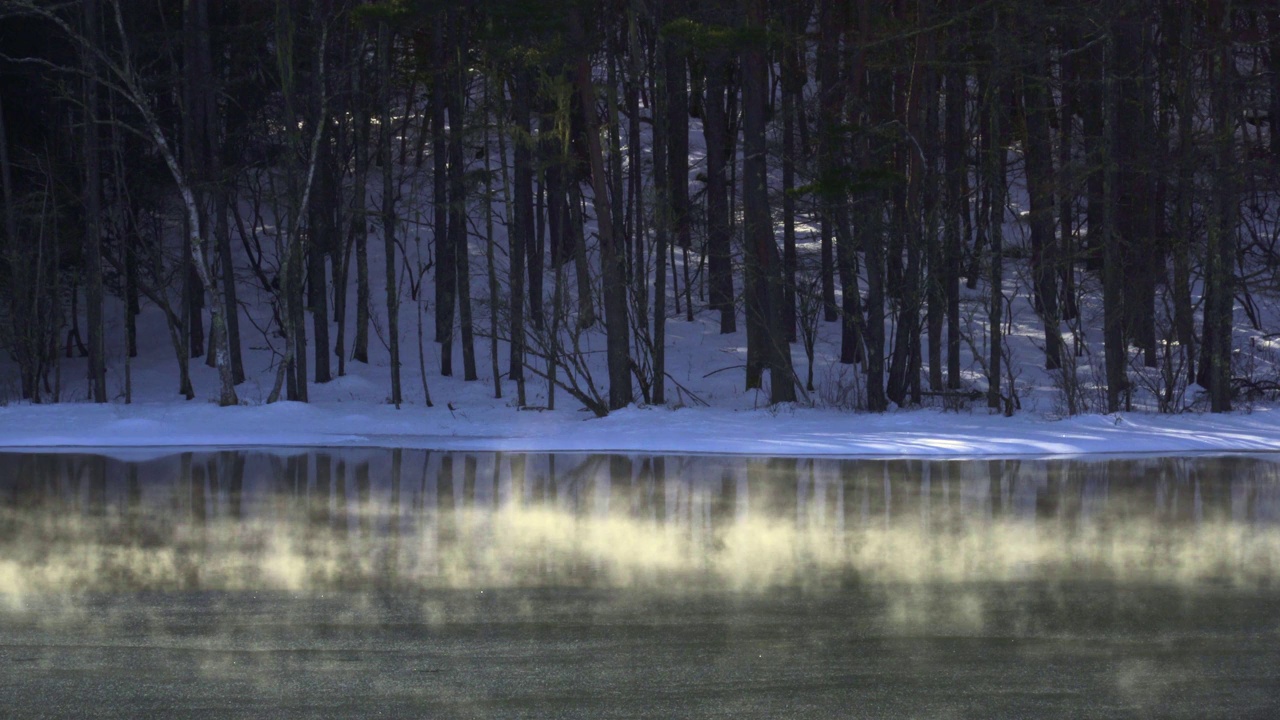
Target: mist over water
[
  {"x": 412, "y": 520},
  {"x": 755, "y": 565}
]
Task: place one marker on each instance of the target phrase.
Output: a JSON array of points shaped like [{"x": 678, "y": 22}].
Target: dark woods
[{"x": 910, "y": 170}]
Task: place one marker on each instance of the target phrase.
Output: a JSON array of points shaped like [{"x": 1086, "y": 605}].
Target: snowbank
[{"x": 786, "y": 431}]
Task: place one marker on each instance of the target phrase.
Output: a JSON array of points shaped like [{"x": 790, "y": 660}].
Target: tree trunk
[
  {"x": 719, "y": 235},
  {"x": 616, "y": 166},
  {"x": 389, "y": 207},
  {"x": 1040, "y": 183},
  {"x": 215, "y": 150},
  {"x": 661, "y": 228},
  {"x": 222, "y": 234},
  {"x": 323, "y": 201},
  {"x": 1140, "y": 256},
  {"x": 458, "y": 234},
  {"x": 1094, "y": 101},
  {"x": 935, "y": 279},
  {"x": 872, "y": 151},
  {"x": 92, "y": 213},
  {"x": 791, "y": 88},
  {"x": 1273, "y": 59},
  {"x": 1067, "y": 187},
  {"x": 765, "y": 277},
  {"x": 905, "y": 361},
  {"x": 830, "y": 124},
  {"x": 1220, "y": 260},
  {"x": 322, "y": 235},
  {"x": 635, "y": 149},
  {"x": 1113, "y": 339},
  {"x": 612, "y": 261},
  {"x": 678, "y": 158},
  {"x": 359, "y": 229},
  {"x": 1183, "y": 311},
  {"x": 521, "y": 235},
  {"x": 490, "y": 253},
  {"x": 446, "y": 272},
  {"x": 536, "y": 249},
  {"x": 835, "y": 148},
  {"x": 957, "y": 207},
  {"x": 995, "y": 180}
]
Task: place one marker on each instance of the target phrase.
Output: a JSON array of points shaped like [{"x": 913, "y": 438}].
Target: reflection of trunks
[{"x": 418, "y": 520}]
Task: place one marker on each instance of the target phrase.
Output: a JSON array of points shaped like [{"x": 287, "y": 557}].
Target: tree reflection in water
[{"x": 407, "y": 520}]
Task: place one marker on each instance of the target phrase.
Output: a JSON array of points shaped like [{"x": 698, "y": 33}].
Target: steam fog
[
  {"x": 334, "y": 583},
  {"x": 413, "y": 521}
]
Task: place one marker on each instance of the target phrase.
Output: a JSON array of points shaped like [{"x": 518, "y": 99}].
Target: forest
[{"x": 547, "y": 188}]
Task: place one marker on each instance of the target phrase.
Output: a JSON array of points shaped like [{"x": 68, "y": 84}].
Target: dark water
[{"x": 415, "y": 584}]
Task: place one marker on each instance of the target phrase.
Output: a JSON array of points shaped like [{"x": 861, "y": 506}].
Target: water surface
[{"x": 429, "y": 584}]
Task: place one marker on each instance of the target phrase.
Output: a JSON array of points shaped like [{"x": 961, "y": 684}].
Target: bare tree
[{"x": 115, "y": 70}]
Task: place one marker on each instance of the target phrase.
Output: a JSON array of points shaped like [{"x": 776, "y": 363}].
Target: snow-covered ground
[
  {"x": 722, "y": 418},
  {"x": 719, "y": 417},
  {"x": 787, "y": 431}
]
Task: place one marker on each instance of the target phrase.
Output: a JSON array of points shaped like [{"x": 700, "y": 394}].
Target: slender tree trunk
[
  {"x": 676, "y": 115},
  {"x": 389, "y": 207},
  {"x": 446, "y": 271},
  {"x": 323, "y": 201},
  {"x": 298, "y": 313},
  {"x": 458, "y": 234},
  {"x": 291, "y": 242},
  {"x": 635, "y": 149},
  {"x": 1220, "y": 260},
  {"x": 520, "y": 236},
  {"x": 932, "y": 210},
  {"x": 833, "y": 206},
  {"x": 1113, "y": 338},
  {"x": 1273, "y": 60},
  {"x": 193, "y": 294},
  {"x": 613, "y": 262},
  {"x": 831, "y": 100},
  {"x": 1140, "y": 255},
  {"x": 1067, "y": 187},
  {"x": 92, "y": 213},
  {"x": 1183, "y": 312},
  {"x": 222, "y": 234},
  {"x": 935, "y": 293},
  {"x": 719, "y": 235},
  {"x": 576, "y": 234},
  {"x": 905, "y": 360},
  {"x": 677, "y": 165},
  {"x": 661, "y": 227},
  {"x": 872, "y": 151},
  {"x": 8, "y": 251},
  {"x": 536, "y": 249},
  {"x": 359, "y": 231},
  {"x": 617, "y": 174},
  {"x": 133, "y": 305},
  {"x": 1093, "y": 84},
  {"x": 1040, "y": 183},
  {"x": 995, "y": 167},
  {"x": 322, "y": 234},
  {"x": 340, "y": 250},
  {"x": 957, "y": 201},
  {"x": 764, "y": 273},
  {"x": 489, "y": 250},
  {"x": 221, "y": 197},
  {"x": 789, "y": 93}
]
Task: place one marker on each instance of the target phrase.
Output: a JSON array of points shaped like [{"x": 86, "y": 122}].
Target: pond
[{"x": 333, "y": 583}]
